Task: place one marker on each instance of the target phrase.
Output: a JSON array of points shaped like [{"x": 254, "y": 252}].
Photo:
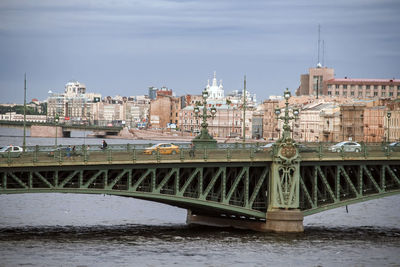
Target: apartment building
[
  {"x": 362, "y": 88},
  {"x": 321, "y": 81},
  {"x": 270, "y": 122}
]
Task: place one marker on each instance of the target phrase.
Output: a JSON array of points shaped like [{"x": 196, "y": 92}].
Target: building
[
  {"x": 152, "y": 92},
  {"x": 352, "y": 122},
  {"x": 374, "y": 123},
  {"x": 73, "y": 88},
  {"x": 164, "y": 111},
  {"x": 324, "y": 79},
  {"x": 270, "y": 121},
  {"x": 227, "y": 122},
  {"x": 73, "y": 105},
  {"x": 257, "y": 125},
  {"x": 329, "y": 123},
  {"x": 362, "y": 88},
  {"x": 392, "y": 122},
  {"x": 214, "y": 90},
  {"x": 312, "y": 83}
]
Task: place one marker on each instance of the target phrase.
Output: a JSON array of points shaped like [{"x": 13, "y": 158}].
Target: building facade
[
  {"x": 312, "y": 83},
  {"x": 321, "y": 81},
  {"x": 362, "y": 88}
]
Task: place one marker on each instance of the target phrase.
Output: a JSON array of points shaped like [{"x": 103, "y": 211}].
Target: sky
[{"x": 121, "y": 47}]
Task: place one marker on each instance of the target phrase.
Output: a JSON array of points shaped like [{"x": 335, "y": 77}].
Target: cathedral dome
[{"x": 215, "y": 91}]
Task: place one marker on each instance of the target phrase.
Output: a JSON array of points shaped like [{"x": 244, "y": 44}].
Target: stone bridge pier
[{"x": 48, "y": 131}]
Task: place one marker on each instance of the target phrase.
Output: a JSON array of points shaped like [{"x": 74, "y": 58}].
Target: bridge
[
  {"x": 239, "y": 186},
  {"x": 48, "y": 129},
  {"x": 244, "y": 186}
]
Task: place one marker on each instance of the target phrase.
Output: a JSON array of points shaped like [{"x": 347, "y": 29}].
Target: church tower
[{"x": 215, "y": 91}]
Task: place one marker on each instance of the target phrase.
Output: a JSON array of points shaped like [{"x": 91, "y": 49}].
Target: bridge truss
[
  {"x": 231, "y": 189},
  {"x": 327, "y": 185}
]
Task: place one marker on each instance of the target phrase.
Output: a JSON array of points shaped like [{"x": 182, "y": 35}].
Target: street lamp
[
  {"x": 286, "y": 117},
  {"x": 56, "y": 120},
  {"x": 204, "y": 139},
  {"x": 388, "y": 115}
]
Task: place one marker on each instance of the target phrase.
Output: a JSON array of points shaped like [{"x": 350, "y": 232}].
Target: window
[
  {"x": 375, "y": 87},
  {"x": 337, "y": 86},
  {"x": 383, "y": 94},
  {"x": 390, "y": 93},
  {"x": 344, "y": 93},
  {"x": 383, "y": 87},
  {"x": 345, "y": 86},
  {"x": 360, "y": 93},
  {"x": 337, "y": 93},
  {"x": 353, "y": 86},
  {"x": 375, "y": 93},
  {"x": 352, "y": 93},
  {"x": 329, "y": 86},
  {"x": 329, "y": 93},
  {"x": 391, "y": 88},
  {"x": 368, "y": 86}
]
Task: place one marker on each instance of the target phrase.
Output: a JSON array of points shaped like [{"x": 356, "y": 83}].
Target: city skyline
[{"x": 125, "y": 47}]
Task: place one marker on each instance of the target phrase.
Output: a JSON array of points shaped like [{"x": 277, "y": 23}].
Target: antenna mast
[
  {"x": 323, "y": 52},
  {"x": 319, "y": 39}
]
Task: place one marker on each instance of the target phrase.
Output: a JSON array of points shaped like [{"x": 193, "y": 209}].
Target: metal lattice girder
[
  {"x": 240, "y": 190},
  {"x": 231, "y": 188},
  {"x": 326, "y": 185}
]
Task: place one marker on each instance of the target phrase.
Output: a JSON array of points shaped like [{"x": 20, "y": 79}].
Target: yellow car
[{"x": 163, "y": 148}]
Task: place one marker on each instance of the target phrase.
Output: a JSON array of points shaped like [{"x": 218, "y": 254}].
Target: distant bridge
[
  {"x": 230, "y": 186},
  {"x": 65, "y": 128}
]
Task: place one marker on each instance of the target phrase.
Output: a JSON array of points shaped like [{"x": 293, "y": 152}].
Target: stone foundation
[
  {"x": 287, "y": 221},
  {"x": 46, "y": 131},
  {"x": 282, "y": 221}
]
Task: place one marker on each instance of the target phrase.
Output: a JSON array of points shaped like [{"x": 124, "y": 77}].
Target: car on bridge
[
  {"x": 302, "y": 148},
  {"x": 395, "y": 146},
  {"x": 163, "y": 148},
  {"x": 346, "y": 146},
  {"x": 12, "y": 151}
]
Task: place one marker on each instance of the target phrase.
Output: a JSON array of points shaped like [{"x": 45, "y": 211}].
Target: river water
[{"x": 101, "y": 230}]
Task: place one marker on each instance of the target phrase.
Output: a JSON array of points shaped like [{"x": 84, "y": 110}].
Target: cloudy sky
[{"x": 124, "y": 46}]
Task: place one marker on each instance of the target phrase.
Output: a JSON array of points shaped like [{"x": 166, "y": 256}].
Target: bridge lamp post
[
  {"x": 56, "y": 121},
  {"x": 204, "y": 139},
  {"x": 286, "y": 117},
  {"x": 284, "y": 191},
  {"x": 388, "y": 115}
]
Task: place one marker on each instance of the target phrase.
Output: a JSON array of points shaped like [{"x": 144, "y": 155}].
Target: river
[{"x": 101, "y": 230}]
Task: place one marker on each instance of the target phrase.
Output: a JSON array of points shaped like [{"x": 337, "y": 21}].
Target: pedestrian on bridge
[
  {"x": 104, "y": 145},
  {"x": 192, "y": 150},
  {"x": 68, "y": 152}
]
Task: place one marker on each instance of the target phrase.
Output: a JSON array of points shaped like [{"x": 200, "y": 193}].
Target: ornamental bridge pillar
[{"x": 283, "y": 213}]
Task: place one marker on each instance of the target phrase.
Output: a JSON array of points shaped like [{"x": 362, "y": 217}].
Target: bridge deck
[{"x": 46, "y": 156}]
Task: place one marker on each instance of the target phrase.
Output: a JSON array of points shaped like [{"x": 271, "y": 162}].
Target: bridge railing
[
  {"x": 364, "y": 151},
  {"x": 132, "y": 153},
  {"x": 128, "y": 153}
]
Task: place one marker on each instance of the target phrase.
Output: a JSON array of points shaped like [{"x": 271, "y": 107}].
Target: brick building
[{"x": 164, "y": 111}]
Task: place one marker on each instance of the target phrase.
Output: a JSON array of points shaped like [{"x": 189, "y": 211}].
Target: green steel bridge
[{"x": 239, "y": 184}]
